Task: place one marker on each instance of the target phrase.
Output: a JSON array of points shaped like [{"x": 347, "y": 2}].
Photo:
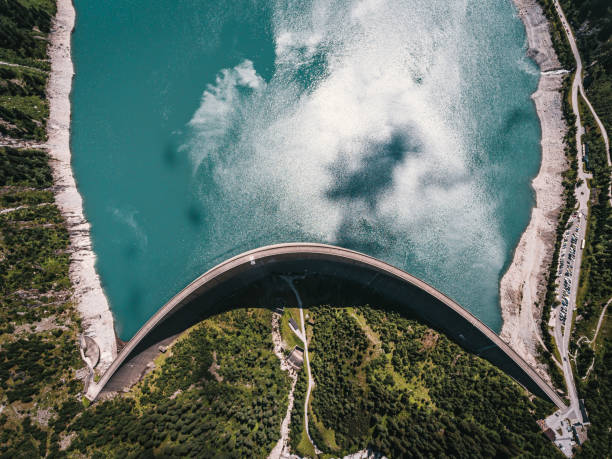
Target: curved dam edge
[{"x": 410, "y": 292}]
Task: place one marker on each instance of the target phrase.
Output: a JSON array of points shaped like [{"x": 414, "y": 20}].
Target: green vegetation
[
  {"x": 397, "y": 386},
  {"x": 594, "y": 292},
  {"x": 186, "y": 407},
  {"x": 24, "y": 117},
  {"x": 22, "y": 81},
  {"x": 596, "y": 272},
  {"x": 557, "y": 34},
  {"x": 38, "y": 324},
  {"x": 24, "y": 168},
  {"x": 598, "y": 399},
  {"x": 591, "y": 21},
  {"x": 299, "y": 441},
  {"x": 218, "y": 391},
  {"x": 382, "y": 380},
  {"x": 24, "y": 25},
  {"x": 25, "y": 198},
  {"x": 288, "y": 336}
]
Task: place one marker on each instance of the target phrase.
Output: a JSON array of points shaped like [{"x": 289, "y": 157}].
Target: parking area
[{"x": 567, "y": 276}]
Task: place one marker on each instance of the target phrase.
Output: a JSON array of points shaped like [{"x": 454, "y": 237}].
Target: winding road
[
  {"x": 582, "y": 194},
  {"x": 307, "y": 359},
  {"x": 577, "y": 86}
]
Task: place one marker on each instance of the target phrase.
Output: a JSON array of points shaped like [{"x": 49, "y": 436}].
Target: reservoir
[{"x": 401, "y": 129}]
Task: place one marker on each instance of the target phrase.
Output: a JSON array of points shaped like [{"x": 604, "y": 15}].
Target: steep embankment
[
  {"x": 523, "y": 286},
  {"x": 97, "y": 320}
]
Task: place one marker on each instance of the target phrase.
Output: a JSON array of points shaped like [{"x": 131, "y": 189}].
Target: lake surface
[{"x": 202, "y": 129}]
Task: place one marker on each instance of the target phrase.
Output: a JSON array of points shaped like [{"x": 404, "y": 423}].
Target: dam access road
[
  {"x": 562, "y": 330},
  {"x": 398, "y": 287}
]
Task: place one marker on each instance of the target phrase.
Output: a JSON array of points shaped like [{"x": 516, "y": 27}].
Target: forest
[
  {"x": 38, "y": 323},
  {"x": 24, "y": 25},
  {"x": 217, "y": 392},
  {"x": 392, "y": 384},
  {"x": 24, "y": 67},
  {"x": 39, "y": 357},
  {"x": 591, "y": 21}
]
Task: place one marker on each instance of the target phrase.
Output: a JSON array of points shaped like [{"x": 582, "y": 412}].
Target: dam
[
  {"x": 378, "y": 132},
  {"x": 329, "y": 275}
]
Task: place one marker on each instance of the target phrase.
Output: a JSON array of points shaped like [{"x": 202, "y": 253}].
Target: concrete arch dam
[{"x": 324, "y": 275}]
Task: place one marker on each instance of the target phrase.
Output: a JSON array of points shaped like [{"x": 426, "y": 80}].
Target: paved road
[
  {"x": 582, "y": 195},
  {"x": 578, "y": 86},
  {"x": 562, "y": 331},
  {"x": 307, "y": 360}
]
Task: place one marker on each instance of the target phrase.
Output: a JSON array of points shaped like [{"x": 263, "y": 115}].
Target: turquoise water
[{"x": 401, "y": 129}]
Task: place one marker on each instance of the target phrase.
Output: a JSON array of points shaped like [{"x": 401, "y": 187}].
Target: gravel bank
[
  {"x": 523, "y": 285},
  {"x": 89, "y": 297}
]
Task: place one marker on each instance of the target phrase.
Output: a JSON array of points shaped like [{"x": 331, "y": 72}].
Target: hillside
[
  {"x": 382, "y": 381},
  {"x": 40, "y": 366},
  {"x": 393, "y": 384}
]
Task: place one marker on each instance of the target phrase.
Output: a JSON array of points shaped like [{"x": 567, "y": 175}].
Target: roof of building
[
  {"x": 583, "y": 411},
  {"x": 296, "y": 357}
]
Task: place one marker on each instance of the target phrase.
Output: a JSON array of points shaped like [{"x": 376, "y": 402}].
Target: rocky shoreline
[
  {"x": 523, "y": 286},
  {"x": 89, "y": 297}
]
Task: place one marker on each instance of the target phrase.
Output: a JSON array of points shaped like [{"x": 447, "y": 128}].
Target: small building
[
  {"x": 296, "y": 358},
  {"x": 585, "y": 156},
  {"x": 293, "y": 324},
  {"x": 583, "y": 412}
]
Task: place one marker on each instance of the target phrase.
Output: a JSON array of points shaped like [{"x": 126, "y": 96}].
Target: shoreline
[
  {"x": 523, "y": 285},
  {"x": 92, "y": 305}
]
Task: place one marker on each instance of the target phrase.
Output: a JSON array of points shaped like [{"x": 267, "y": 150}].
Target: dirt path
[
  {"x": 603, "y": 313},
  {"x": 12, "y": 64},
  {"x": 13, "y": 209},
  {"x": 307, "y": 360},
  {"x": 281, "y": 449}
]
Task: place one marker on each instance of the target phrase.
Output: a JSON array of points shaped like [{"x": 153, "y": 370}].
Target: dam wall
[{"x": 323, "y": 275}]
